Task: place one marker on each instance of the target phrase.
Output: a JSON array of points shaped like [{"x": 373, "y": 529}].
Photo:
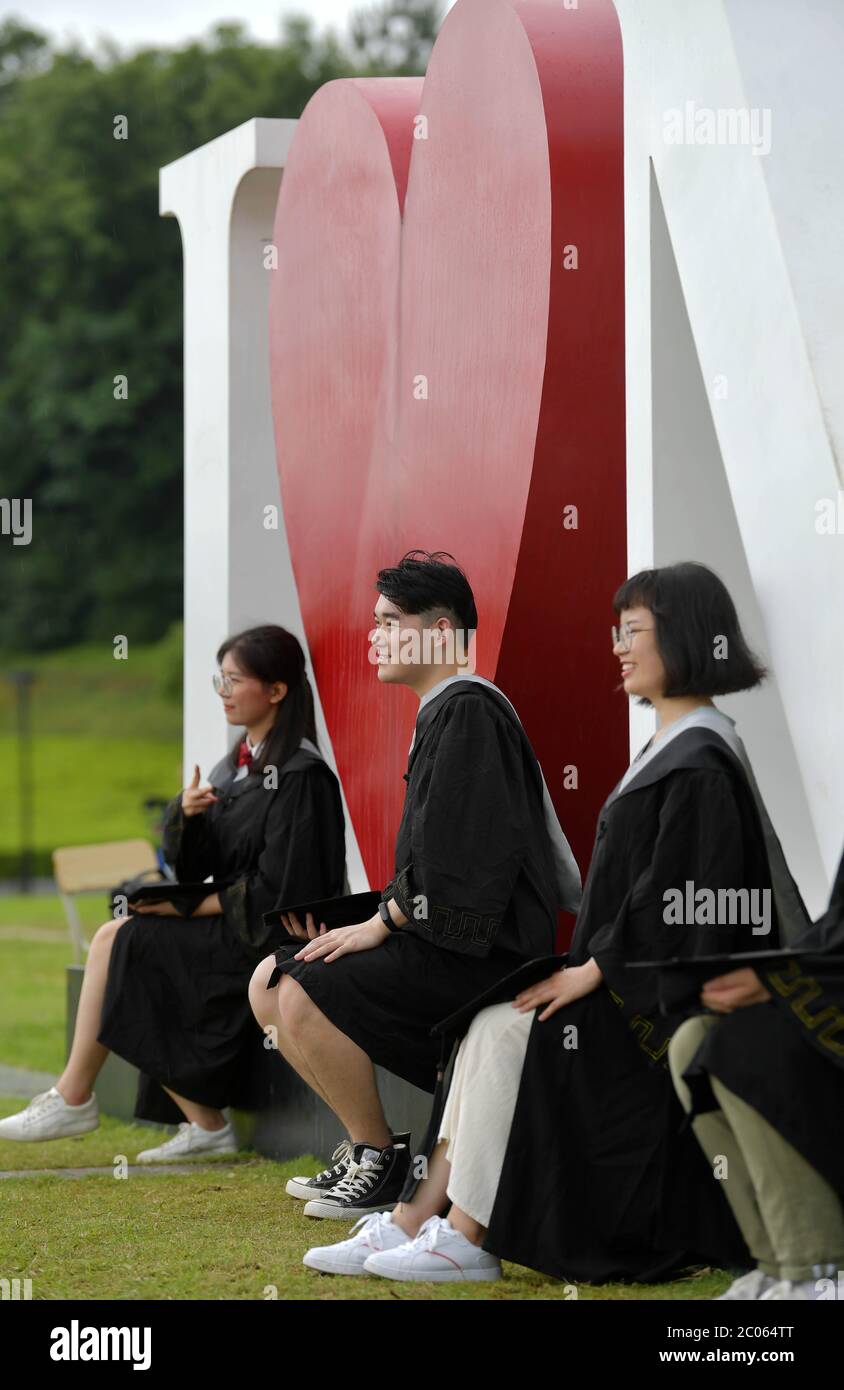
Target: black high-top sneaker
[
  {"x": 373, "y": 1183},
  {"x": 306, "y": 1188}
]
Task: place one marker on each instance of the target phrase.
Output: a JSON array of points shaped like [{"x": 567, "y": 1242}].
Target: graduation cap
[
  {"x": 349, "y": 911},
  {"x": 506, "y": 988},
  {"x": 185, "y": 896},
  {"x": 681, "y": 978}
]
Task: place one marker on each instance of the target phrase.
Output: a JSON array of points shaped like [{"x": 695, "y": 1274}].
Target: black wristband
[{"x": 384, "y": 914}]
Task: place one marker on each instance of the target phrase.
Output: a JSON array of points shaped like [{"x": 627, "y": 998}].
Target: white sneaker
[
  {"x": 374, "y": 1233},
  {"x": 191, "y": 1141},
  {"x": 48, "y": 1116},
  {"x": 802, "y": 1291},
  {"x": 439, "y": 1254},
  {"x": 749, "y": 1287}
]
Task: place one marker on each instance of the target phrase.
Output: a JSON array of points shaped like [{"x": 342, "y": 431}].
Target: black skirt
[
  {"x": 176, "y": 1006},
  {"x": 388, "y": 999}
]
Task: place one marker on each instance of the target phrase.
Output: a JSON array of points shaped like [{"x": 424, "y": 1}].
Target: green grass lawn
[
  {"x": 230, "y": 1233},
  {"x": 106, "y": 734},
  {"x": 227, "y": 1233},
  {"x": 32, "y": 977},
  {"x": 32, "y": 1004},
  {"x": 88, "y": 789},
  {"x": 42, "y": 913},
  {"x": 86, "y": 689}
]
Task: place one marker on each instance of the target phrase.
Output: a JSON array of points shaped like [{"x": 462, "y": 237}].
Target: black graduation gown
[
  {"x": 474, "y": 875},
  {"x": 176, "y": 1003},
  {"x": 473, "y": 865},
  {"x": 602, "y": 1179},
  {"x": 786, "y": 1057}
]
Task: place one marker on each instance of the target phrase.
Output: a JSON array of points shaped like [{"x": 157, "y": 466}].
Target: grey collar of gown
[{"x": 566, "y": 873}]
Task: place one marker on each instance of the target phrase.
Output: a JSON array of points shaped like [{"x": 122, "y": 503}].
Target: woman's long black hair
[{"x": 271, "y": 653}]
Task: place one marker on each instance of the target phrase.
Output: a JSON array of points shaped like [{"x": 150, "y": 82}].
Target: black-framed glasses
[{"x": 623, "y": 636}]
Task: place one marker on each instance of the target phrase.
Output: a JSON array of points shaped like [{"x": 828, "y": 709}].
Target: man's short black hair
[
  {"x": 701, "y": 643},
  {"x": 431, "y": 584}
]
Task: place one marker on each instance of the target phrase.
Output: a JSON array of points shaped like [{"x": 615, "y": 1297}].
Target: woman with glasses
[
  {"x": 168, "y": 992},
  {"x": 561, "y": 1145}
]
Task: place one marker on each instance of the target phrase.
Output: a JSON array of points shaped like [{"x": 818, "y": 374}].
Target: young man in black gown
[{"x": 480, "y": 867}]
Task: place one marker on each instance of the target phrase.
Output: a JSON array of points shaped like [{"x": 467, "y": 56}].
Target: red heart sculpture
[{"x": 422, "y": 233}]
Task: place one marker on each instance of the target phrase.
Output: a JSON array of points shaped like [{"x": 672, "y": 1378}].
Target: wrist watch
[{"x": 384, "y": 914}]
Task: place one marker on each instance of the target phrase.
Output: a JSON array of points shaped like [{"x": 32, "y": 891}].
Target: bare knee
[
  {"x": 294, "y": 1004},
  {"x": 261, "y": 999},
  {"x": 104, "y": 935}
]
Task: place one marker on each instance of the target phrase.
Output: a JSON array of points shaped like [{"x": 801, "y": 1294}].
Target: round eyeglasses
[
  {"x": 223, "y": 684},
  {"x": 622, "y": 637}
]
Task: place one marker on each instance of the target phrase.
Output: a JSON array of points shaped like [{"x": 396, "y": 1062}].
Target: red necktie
[{"x": 244, "y": 756}]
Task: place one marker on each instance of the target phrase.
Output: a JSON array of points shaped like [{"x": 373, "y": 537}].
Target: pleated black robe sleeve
[
  {"x": 466, "y": 828},
  {"x": 187, "y": 842},
  {"x": 303, "y": 853}
]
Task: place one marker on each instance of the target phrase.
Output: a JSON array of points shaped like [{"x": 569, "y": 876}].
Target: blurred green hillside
[{"x": 106, "y": 735}]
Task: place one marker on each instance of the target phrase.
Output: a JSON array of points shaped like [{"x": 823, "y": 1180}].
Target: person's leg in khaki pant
[
  {"x": 790, "y": 1217},
  {"x": 719, "y": 1143}
]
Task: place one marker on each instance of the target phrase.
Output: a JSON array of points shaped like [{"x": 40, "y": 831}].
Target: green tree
[
  {"x": 396, "y": 37},
  {"x": 22, "y": 51},
  {"x": 91, "y": 290}
]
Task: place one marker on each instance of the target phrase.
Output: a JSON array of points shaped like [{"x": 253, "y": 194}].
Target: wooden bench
[{"x": 96, "y": 869}]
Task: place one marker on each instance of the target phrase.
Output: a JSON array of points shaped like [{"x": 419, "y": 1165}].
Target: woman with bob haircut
[
  {"x": 561, "y": 1145},
  {"x": 166, "y": 987}
]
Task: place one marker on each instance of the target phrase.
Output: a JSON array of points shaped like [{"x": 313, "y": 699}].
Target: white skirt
[{"x": 479, "y": 1107}]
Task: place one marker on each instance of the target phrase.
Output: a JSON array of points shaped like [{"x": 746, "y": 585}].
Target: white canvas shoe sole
[
  {"x": 298, "y": 1188},
  {"x": 446, "y": 1273},
  {"x": 331, "y": 1211}
]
